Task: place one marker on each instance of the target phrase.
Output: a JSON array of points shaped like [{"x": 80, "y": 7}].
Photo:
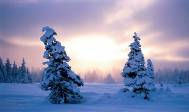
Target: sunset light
[
  {"x": 94, "y": 51},
  {"x": 94, "y": 55}
]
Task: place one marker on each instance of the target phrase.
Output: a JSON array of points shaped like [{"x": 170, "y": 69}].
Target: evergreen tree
[
  {"x": 58, "y": 77},
  {"x": 2, "y": 71},
  {"x": 109, "y": 79},
  {"x": 23, "y": 75},
  {"x": 8, "y": 71},
  {"x": 29, "y": 79},
  {"x": 134, "y": 70},
  {"x": 150, "y": 74},
  {"x": 22, "y": 71},
  {"x": 14, "y": 72},
  {"x": 11, "y": 73},
  {"x": 149, "y": 79}
]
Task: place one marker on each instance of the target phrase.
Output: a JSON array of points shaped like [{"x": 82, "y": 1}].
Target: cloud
[
  {"x": 183, "y": 52},
  {"x": 169, "y": 17},
  {"x": 72, "y": 17},
  {"x": 163, "y": 25}
]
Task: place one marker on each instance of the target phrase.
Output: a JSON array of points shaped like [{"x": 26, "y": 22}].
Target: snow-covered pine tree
[
  {"x": 58, "y": 77},
  {"x": 150, "y": 74},
  {"x": 134, "y": 70},
  {"x": 149, "y": 79}
]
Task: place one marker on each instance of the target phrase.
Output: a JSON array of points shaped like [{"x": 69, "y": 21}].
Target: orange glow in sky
[{"x": 99, "y": 52}]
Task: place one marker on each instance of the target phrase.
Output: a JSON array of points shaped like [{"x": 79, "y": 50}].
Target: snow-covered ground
[{"x": 98, "y": 98}]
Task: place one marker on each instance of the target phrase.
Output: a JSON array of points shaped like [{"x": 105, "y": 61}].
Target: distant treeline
[
  {"x": 172, "y": 76},
  {"x": 12, "y": 73},
  {"x": 93, "y": 76},
  {"x": 177, "y": 76}
]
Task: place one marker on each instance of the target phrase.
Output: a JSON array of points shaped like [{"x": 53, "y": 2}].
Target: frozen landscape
[
  {"x": 98, "y": 98},
  {"x": 94, "y": 56}
]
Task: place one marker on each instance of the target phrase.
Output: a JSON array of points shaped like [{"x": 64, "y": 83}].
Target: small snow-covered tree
[
  {"x": 58, "y": 77},
  {"x": 150, "y": 74},
  {"x": 134, "y": 71},
  {"x": 149, "y": 79}
]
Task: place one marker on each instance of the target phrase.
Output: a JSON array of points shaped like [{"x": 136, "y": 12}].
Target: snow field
[{"x": 98, "y": 98}]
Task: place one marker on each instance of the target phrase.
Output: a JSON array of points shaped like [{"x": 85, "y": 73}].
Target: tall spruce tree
[
  {"x": 58, "y": 77},
  {"x": 134, "y": 70}
]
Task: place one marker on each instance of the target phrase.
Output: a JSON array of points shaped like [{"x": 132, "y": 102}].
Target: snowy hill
[{"x": 98, "y": 98}]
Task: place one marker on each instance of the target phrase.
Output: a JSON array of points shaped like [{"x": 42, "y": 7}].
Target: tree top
[
  {"x": 136, "y": 37},
  {"x": 48, "y": 31}
]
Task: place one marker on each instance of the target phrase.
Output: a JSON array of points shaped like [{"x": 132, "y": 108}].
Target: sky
[{"x": 97, "y": 33}]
